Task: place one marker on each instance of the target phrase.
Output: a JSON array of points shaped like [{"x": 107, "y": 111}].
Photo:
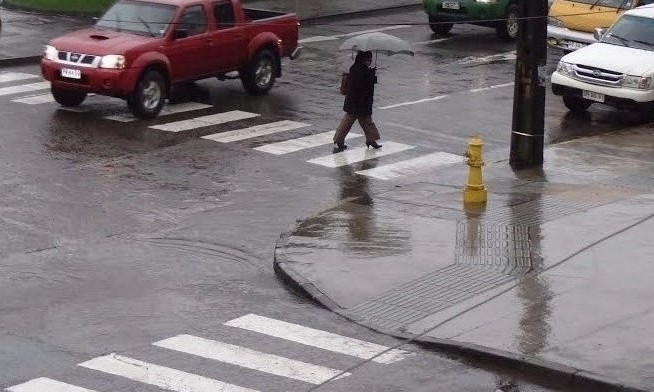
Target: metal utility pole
[{"x": 528, "y": 130}]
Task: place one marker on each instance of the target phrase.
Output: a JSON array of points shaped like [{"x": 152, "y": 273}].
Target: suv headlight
[
  {"x": 554, "y": 22},
  {"x": 636, "y": 82},
  {"x": 566, "y": 69},
  {"x": 50, "y": 52},
  {"x": 113, "y": 61}
]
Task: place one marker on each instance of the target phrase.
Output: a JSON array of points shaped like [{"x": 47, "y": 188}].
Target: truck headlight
[
  {"x": 636, "y": 82},
  {"x": 50, "y": 52},
  {"x": 566, "y": 69},
  {"x": 113, "y": 61},
  {"x": 554, "y": 22}
]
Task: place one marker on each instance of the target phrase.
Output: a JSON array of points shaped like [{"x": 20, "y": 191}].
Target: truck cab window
[
  {"x": 224, "y": 14},
  {"x": 194, "y": 20}
]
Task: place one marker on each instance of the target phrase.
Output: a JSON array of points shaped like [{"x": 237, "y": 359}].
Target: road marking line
[
  {"x": 348, "y": 156},
  {"x": 433, "y": 41},
  {"x": 23, "y": 88},
  {"x": 255, "y": 131},
  {"x": 14, "y": 76},
  {"x": 319, "y": 38},
  {"x": 44, "y": 384},
  {"x": 413, "y": 102},
  {"x": 204, "y": 121},
  {"x": 317, "y": 338},
  {"x": 302, "y": 143},
  {"x": 476, "y": 90},
  {"x": 159, "y": 376},
  {"x": 412, "y": 166},
  {"x": 167, "y": 110},
  {"x": 36, "y": 99},
  {"x": 507, "y": 56},
  {"x": 251, "y": 359}
]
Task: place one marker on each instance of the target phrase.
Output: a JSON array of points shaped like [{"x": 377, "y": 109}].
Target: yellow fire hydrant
[{"x": 475, "y": 190}]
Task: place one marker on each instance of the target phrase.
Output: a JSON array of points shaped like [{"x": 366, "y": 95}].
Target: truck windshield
[
  {"x": 634, "y": 31},
  {"x": 138, "y": 17},
  {"x": 606, "y": 3}
]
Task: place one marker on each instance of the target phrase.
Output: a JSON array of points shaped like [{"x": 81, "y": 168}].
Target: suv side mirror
[
  {"x": 180, "y": 33},
  {"x": 599, "y": 33}
]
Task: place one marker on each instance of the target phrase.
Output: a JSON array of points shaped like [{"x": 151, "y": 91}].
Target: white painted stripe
[
  {"x": 507, "y": 56},
  {"x": 167, "y": 110},
  {"x": 302, "y": 143},
  {"x": 476, "y": 90},
  {"x": 46, "y": 385},
  {"x": 160, "y": 376},
  {"x": 348, "y": 156},
  {"x": 36, "y": 99},
  {"x": 412, "y": 166},
  {"x": 317, "y": 338},
  {"x": 251, "y": 359},
  {"x": 14, "y": 76},
  {"x": 432, "y": 41},
  {"x": 255, "y": 131},
  {"x": 319, "y": 38},
  {"x": 24, "y": 88},
  {"x": 204, "y": 121},
  {"x": 413, "y": 102}
]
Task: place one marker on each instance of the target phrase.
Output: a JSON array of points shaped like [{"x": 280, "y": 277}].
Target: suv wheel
[
  {"x": 576, "y": 104},
  {"x": 67, "y": 98},
  {"x": 149, "y": 97},
  {"x": 439, "y": 28},
  {"x": 509, "y": 28},
  {"x": 259, "y": 76}
]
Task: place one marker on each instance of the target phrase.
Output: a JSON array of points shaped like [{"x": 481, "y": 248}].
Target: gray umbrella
[{"x": 379, "y": 43}]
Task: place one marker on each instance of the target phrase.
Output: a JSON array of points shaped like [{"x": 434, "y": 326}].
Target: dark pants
[{"x": 369, "y": 128}]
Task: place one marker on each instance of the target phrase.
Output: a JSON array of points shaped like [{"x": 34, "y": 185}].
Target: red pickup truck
[{"x": 139, "y": 49}]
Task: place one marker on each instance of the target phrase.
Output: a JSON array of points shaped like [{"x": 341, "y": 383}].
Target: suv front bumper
[
  {"x": 614, "y": 96},
  {"x": 568, "y": 40}
]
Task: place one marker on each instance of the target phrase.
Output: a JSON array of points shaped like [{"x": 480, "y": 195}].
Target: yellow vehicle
[{"x": 571, "y": 23}]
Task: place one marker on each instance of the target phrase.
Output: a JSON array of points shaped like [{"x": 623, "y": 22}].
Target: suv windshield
[
  {"x": 633, "y": 31},
  {"x": 138, "y": 17}
]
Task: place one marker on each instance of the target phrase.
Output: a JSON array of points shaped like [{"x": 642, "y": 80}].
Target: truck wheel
[
  {"x": 259, "y": 76},
  {"x": 67, "y": 98},
  {"x": 149, "y": 97},
  {"x": 508, "y": 29},
  {"x": 576, "y": 104},
  {"x": 439, "y": 28}
]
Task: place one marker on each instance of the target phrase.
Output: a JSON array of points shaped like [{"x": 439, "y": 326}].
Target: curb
[
  {"x": 577, "y": 379},
  {"x": 16, "y": 61}
]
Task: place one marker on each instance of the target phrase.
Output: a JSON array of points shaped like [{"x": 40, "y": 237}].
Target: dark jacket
[{"x": 361, "y": 89}]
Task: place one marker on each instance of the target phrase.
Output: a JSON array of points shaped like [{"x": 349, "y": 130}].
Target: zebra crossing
[
  {"x": 141, "y": 371},
  {"x": 30, "y": 92}
]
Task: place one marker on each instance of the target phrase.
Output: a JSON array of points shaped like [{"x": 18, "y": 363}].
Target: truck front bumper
[
  {"x": 112, "y": 82},
  {"x": 568, "y": 40},
  {"x": 614, "y": 96}
]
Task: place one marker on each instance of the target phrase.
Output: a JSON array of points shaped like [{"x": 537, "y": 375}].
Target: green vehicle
[{"x": 499, "y": 14}]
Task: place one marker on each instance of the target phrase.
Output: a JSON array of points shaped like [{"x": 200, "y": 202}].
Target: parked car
[
  {"x": 140, "y": 48},
  {"x": 618, "y": 70},
  {"x": 499, "y": 14}
]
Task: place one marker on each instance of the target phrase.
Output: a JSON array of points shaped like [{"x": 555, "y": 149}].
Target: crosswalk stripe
[
  {"x": 302, "y": 143},
  {"x": 317, "y": 338},
  {"x": 204, "y": 121},
  {"x": 411, "y": 166},
  {"x": 348, "y": 156},
  {"x": 251, "y": 359},
  {"x": 36, "y": 99},
  {"x": 44, "y": 384},
  {"x": 23, "y": 88},
  {"x": 255, "y": 131},
  {"x": 15, "y": 76},
  {"x": 168, "y": 109},
  {"x": 159, "y": 376}
]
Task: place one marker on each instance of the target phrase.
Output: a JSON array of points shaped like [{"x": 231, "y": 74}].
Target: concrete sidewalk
[{"x": 554, "y": 276}]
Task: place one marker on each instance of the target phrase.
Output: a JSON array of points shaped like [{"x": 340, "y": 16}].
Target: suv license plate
[
  {"x": 593, "y": 96},
  {"x": 71, "y": 73},
  {"x": 451, "y": 5}
]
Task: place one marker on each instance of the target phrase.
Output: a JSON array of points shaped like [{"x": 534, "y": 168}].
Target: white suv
[{"x": 616, "y": 71}]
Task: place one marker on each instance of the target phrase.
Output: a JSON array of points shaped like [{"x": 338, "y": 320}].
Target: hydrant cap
[{"x": 476, "y": 141}]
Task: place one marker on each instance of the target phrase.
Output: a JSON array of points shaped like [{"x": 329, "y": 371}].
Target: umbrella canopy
[{"x": 379, "y": 43}]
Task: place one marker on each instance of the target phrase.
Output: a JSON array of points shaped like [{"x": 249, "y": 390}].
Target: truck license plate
[
  {"x": 71, "y": 73},
  {"x": 451, "y": 5},
  {"x": 593, "y": 96}
]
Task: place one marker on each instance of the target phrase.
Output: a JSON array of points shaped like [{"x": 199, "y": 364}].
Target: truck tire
[
  {"x": 67, "y": 98},
  {"x": 259, "y": 76},
  {"x": 576, "y": 104},
  {"x": 509, "y": 27},
  {"x": 439, "y": 28},
  {"x": 149, "y": 96}
]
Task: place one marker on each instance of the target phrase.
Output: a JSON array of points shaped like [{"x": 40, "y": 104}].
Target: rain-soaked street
[{"x": 119, "y": 233}]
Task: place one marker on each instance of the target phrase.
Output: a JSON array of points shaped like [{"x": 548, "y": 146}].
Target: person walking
[{"x": 358, "y": 102}]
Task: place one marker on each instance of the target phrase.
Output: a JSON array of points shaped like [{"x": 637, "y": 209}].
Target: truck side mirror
[
  {"x": 599, "y": 33},
  {"x": 180, "y": 33}
]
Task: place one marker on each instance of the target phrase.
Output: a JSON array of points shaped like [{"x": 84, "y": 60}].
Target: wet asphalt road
[{"x": 117, "y": 235}]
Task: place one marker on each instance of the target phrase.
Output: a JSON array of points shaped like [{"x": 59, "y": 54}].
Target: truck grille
[
  {"x": 80, "y": 59},
  {"x": 598, "y": 75}
]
